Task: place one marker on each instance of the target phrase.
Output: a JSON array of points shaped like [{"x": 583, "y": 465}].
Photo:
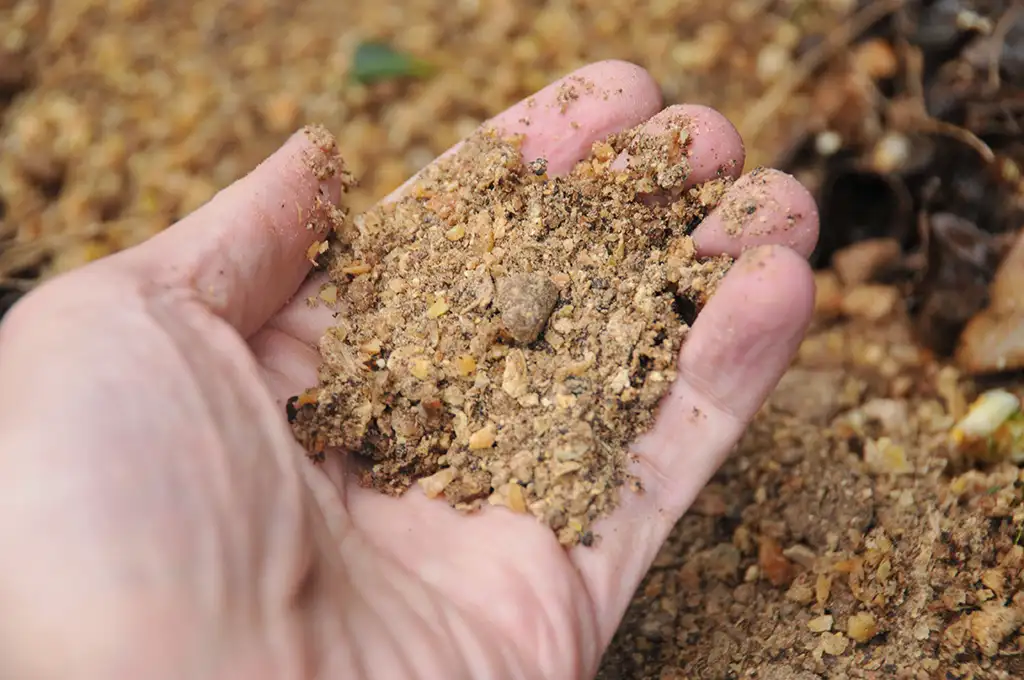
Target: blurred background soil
[{"x": 856, "y": 532}]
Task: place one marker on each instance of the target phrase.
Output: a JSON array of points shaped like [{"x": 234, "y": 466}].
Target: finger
[
  {"x": 244, "y": 253},
  {"x": 739, "y": 347},
  {"x": 762, "y": 207},
  {"x": 711, "y": 146},
  {"x": 560, "y": 123}
]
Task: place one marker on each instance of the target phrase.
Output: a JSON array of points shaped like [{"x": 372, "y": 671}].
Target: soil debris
[
  {"x": 917, "y": 144},
  {"x": 504, "y": 336},
  {"x": 874, "y": 527}
]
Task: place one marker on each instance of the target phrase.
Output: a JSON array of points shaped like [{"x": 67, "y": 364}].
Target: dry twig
[{"x": 767, "y": 106}]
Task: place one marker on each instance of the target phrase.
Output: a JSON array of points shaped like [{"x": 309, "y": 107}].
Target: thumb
[{"x": 244, "y": 254}]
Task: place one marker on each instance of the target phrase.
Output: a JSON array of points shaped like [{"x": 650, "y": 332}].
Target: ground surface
[
  {"x": 844, "y": 538},
  {"x": 121, "y": 115},
  {"x": 842, "y": 500}
]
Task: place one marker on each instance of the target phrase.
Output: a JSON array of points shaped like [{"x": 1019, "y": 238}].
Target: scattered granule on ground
[
  {"x": 504, "y": 335},
  {"x": 845, "y": 537}
]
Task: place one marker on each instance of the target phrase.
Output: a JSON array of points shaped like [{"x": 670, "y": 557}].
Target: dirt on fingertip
[
  {"x": 744, "y": 212},
  {"x": 324, "y": 158},
  {"x": 503, "y": 336}
]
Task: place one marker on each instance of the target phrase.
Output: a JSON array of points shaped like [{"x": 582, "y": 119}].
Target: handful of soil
[{"x": 503, "y": 336}]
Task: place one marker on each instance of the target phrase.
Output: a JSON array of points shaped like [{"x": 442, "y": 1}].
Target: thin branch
[
  {"x": 1002, "y": 28},
  {"x": 769, "y": 104},
  {"x": 923, "y": 121},
  {"x": 962, "y": 135}
]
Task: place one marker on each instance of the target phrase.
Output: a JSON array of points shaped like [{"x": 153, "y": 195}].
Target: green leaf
[{"x": 375, "y": 62}]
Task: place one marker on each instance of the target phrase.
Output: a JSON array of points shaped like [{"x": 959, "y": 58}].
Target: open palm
[{"x": 158, "y": 520}]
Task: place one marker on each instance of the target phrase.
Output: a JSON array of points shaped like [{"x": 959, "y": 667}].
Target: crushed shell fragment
[
  {"x": 993, "y": 428},
  {"x": 986, "y": 414}
]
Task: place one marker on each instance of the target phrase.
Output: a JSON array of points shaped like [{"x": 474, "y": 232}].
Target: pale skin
[{"x": 158, "y": 520}]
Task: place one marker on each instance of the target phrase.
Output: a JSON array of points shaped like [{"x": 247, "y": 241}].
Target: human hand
[{"x": 158, "y": 520}]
